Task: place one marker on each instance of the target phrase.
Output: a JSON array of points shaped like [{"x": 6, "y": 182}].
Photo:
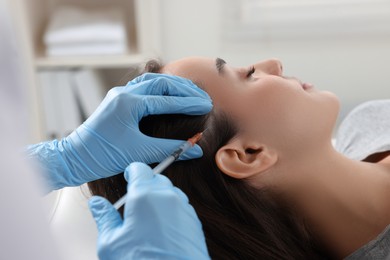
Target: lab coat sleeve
[
  {"x": 24, "y": 232},
  {"x": 24, "y": 227}
]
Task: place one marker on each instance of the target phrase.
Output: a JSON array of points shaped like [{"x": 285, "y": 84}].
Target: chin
[{"x": 333, "y": 101}]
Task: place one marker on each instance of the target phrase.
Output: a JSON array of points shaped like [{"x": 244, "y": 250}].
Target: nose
[{"x": 271, "y": 66}]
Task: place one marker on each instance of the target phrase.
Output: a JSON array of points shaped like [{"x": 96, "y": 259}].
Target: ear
[{"x": 241, "y": 159}]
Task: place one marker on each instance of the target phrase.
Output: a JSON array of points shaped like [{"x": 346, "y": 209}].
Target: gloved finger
[
  {"x": 156, "y": 105},
  {"x": 151, "y": 76},
  {"x": 192, "y": 153},
  {"x": 189, "y": 209},
  {"x": 162, "y": 148},
  {"x": 183, "y": 197},
  {"x": 106, "y": 216},
  {"x": 167, "y": 85},
  {"x": 137, "y": 172}
]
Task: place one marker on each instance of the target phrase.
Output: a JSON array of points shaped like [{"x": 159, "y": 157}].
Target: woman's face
[{"x": 264, "y": 103}]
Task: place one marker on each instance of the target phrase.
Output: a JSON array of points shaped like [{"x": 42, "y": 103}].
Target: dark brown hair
[{"x": 239, "y": 221}]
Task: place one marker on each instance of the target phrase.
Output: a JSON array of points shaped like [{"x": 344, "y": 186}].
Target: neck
[{"x": 344, "y": 202}]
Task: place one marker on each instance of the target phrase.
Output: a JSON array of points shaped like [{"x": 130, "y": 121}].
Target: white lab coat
[{"x": 24, "y": 229}]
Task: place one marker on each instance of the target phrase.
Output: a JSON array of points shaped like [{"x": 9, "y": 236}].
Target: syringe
[{"x": 166, "y": 162}]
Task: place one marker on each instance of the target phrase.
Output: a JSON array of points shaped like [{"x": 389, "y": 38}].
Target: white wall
[
  {"x": 190, "y": 28},
  {"x": 355, "y": 69}
]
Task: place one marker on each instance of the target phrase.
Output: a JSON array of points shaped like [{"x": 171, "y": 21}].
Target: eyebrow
[{"x": 220, "y": 64}]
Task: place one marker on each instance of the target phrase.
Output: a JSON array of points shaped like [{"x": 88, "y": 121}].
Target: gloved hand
[
  {"x": 110, "y": 138},
  {"x": 158, "y": 222}
]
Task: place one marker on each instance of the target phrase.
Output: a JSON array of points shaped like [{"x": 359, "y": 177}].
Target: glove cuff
[
  {"x": 60, "y": 162},
  {"x": 53, "y": 169}
]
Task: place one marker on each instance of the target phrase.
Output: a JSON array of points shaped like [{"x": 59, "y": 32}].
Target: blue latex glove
[
  {"x": 158, "y": 221},
  {"x": 110, "y": 138}
]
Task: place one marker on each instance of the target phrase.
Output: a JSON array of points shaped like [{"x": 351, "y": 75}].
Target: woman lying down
[{"x": 270, "y": 185}]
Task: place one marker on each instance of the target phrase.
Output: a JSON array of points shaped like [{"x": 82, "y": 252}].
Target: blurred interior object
[{"x": 78, "y": 31}]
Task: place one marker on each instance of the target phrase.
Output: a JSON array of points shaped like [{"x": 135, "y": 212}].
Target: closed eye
[{"x": 250, "y": 71}]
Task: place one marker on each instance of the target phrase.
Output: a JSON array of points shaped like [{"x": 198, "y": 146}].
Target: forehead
[
  {"x": 197, "y": 69},
  {"x": 222, "y": 88}
]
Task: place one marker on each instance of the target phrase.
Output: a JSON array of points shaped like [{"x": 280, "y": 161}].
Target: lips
[{"x": 307, "y": 86}]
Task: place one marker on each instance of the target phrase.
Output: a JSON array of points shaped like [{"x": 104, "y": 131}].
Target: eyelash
[{"x": 250, "y": 71}]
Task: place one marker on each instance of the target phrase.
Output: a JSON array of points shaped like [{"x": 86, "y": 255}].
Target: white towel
[
  {"x": 87, "y": 49},
  {"x": 78, "y": 28}
]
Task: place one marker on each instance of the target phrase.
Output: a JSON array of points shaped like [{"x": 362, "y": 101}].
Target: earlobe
[{"x": 241, "y": 160}]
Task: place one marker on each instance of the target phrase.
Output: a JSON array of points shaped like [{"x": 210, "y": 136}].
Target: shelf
[
  {"x": 103, "y": 61},
  {"x": 142, "y": 23}
]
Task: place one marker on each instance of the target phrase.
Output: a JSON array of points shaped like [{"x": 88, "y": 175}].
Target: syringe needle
[{"x": 166, "y": 162}]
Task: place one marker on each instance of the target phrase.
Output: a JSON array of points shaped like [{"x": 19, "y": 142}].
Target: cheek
[
  {"x": 285, "y": 115},
  {"x": 227, "y": 98},
  {"x": 271, "y": 104},
  {"x": 263, "y": 111}
]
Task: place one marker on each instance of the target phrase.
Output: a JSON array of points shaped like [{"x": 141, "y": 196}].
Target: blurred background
[
  {"x": 92, "y": 45},
  {"x": 74, "y": 51}
]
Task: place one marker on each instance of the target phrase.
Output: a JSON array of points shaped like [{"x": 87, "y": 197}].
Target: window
[{"x": 283, "y": 19}]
